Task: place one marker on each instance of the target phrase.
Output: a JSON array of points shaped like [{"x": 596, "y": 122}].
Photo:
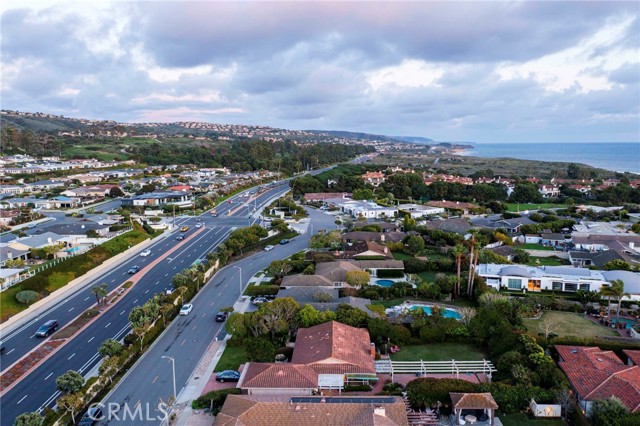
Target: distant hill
[
  {"x": 354, "y": 135},
  {"x": 414, "y": 139}
]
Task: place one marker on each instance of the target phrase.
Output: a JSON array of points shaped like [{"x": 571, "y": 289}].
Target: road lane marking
[
  {"x": 154, "y": 380},
  {"x": 22, "y": 399},
  {"x": 87, "y": 298},
  {"x": 158, "y": 283},
  {"x": 166, "y": 275},
  {"x": 146, "y": 291},
  {"x": 135, "y": 301},
  {"x": 11, "y": 351},
  {"x": 107, "y": 325},
  {"x": 194, "y": 327},
  {"x": 50, "y": 374},
  {"x": 74, "y": 354},
  {"x": 183, "y": 342},
  {"x": 71, "y": 309},
  {"x": 122, "y": 313},
  {"x": 89, "y": 341}
]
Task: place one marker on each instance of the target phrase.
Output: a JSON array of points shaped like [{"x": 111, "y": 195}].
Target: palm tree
[
  {"x": 100, "y": 291},
  {"x": 617, "y": 290},
  {"x": 458, "y": 251}
]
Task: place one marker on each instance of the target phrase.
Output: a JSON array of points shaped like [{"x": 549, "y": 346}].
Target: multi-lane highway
[
  {"x": 186, "y": 340},
  {"x": 38, "y": 390}
]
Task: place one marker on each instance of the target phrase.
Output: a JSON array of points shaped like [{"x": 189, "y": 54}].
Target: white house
[
  {"x": 418, "y": 211},
  {"x": 366, "y": 209}
]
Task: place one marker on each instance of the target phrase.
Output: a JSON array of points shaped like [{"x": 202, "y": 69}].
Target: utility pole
[{"x": 173, "y": 369}]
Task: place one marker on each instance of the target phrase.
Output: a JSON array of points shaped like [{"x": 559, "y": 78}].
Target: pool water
[
  {"x": 385, "y": 283},
  {"x": 628, "y": 323},
  {"x": 447, "y": 313}
]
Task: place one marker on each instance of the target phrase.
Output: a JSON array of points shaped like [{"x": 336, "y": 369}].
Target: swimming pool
[
  {"x": 384, "y": 283},
  {"x": 446, "y": 312},
  {"x": 628, "y": 323}
]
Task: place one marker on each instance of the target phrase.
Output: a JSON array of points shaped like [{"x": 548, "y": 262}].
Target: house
[
  {"x": 90, "y": 191},
  {"x": 511, "y": 226},
  {"x": 595, "y": 258},
  {"x": 319, "y": 197},
  {"x": 549, "y": 191},
  {"x": 7, "y": 216},
  {"x": 379, "y": 237},
  {"x": 249, "y": 410},
  {"x": 44, "y": 185},
  {"x": 366, "y": 209},
  {"x": 14, "y": 189},
  {"x": 458, "y": 226},
  {"x": 633, "y": 356},
  {"x": 35, "y": 241},
  {"x": 9, "y": 253},
  {"x": 595, "y": 374},
  {"x": 418, "y": 211},
  {"x": 9, "y": 277},
  {"x": 323, "y": 298},
  {"x": 529, "y": 278},
  {"x": 159, "y": 198},
  {"x": 260, "y": 378},
  {"x": 374, "y": 178},
  {"x": 554, "y": 239},
  {"x": 384, "y": 226},
  {"x": 366, "y": 250},
  {"x": 374, "y": 266},
  {"x": 454, "y": 206},
  {"x": 505, "y": 251}
]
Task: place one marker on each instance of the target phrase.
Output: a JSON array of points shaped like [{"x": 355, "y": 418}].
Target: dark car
[
  {"x": 47, "y": 328},
  {"x": 228, "y": 376},
  {"x": 133, "y": 269},
  {"x": 285, "y": 241},
  {"x": 180, "y": 237},
  {"x": 221, "y": 316},
  {"x": 92, "y": 415}
]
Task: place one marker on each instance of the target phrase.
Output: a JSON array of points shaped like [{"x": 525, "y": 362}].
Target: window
[
  {"x": 556, "y": 285},
  {"x": 514, "y": 284},
  {"x": 585, "y": 287},
  {"x": 534, "y": 285},
  {"x": 570, "y": 287}
]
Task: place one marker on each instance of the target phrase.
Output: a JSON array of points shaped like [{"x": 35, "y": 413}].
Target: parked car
[
  {"x": 180, "y": 237},
  {"x": 228, "y": 376},
  {"x": 269, "y": 247},
  {"x": 186, "y": 309},
  {"x": 260, "y": 300},
  {"x": 283, "y": 242},
  {"x": 145, "y": 253},
  {"x": 133, "y": 269},
  {"x": 92, "y": 415},
  {"x": 47, "y": 328},
  {"x": 221, "y": 316}
]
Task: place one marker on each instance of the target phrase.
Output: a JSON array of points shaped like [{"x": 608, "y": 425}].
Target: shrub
[
  {"x": 214, "y": 399},
  {"x": 392, "y": 389},
  {"x": 357, "y": 388},
  {"x": 390, "y": 273},
  {"x": 263, "y": 290},
  {"x": 423, "y": 393},
  {"x": 27, "y": 297},
  {"x": 415, "y": 266}
]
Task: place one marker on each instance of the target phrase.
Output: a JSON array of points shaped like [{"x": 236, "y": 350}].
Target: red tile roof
[
  {"x": 634, "y": 356},
  {"x": 334, "y": 348},
  {"x": 597, "y": 374},
  {"x": 279, "y": 375}
]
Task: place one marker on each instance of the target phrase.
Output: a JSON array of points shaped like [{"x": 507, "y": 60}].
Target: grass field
[
  {"x": 439, "y": 352},
  {"x": 521, "y": 419},
  {"x": 569, "y": 324},
  {"x": 231, "y": 359},
  {"x": 513, "y": 207},
  {"x": 547, "y": 261},
  {"x": 95, "y": 151},
  {"x": 428, "y": 276},
  {"x": 401, "y": 256}
]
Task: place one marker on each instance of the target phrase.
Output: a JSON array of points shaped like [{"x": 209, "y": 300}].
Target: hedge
[
  {"x": 426, "y": 392},
  {"x": 390, "y": 273},
  {"x": 262, "y": 290},
  {"x": 216, "y": 397}
]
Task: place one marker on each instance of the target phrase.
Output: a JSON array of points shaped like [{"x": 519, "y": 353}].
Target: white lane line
[
  {"x": 74, "y": 354},
  {"x": 135, "y": 301},
  {"x": 113, "y": 280},
  {"x": 107, "y": 325},
  {"x": 71, "y": 309},
  {"x": 157, "y": 283},
  {"x": 146, "y": 291},
  {"x": 22, "y": 399},
  {"x": 166, "y": 275},
  {"x": 122, "y": 313},
  {"x": 86, "y": 298},
  {"x": 89, "y": 341},
  {"x": 11, "y": 351},
  {"x": 50, "y": 374}
]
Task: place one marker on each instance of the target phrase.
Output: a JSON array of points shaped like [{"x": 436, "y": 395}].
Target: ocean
[{"x": 619, "y": 157}]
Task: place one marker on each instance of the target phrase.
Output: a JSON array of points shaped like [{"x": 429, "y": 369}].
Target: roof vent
[
  {"x": 599, "y": 359},
  {"x": 574, "y": 351}
]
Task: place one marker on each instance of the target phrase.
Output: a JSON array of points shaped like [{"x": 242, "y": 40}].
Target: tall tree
[
  {"x": 70, "y": 382},
  {"x": 458, "y": 251},
  {"x": 100, "y": 291},
  {"x": 616, "y": 289},
  {"x": 29, "y": 419}
]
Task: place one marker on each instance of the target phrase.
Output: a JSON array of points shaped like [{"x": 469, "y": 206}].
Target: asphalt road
[
  {"x": 188, "y": 337},
  {"x": 38, "y": 390}
]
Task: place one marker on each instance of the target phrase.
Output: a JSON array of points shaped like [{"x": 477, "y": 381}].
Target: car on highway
[
  {"x": 92, "y": 415},
  {"x": 186, "y": 309},
  {"x": 284, "y": 241},
  {"x": 214, "y": 214},
  {"x": 228, "y": 376},
  {"x": 47, "y": 328},
  {"x": 145, "y": 253},
  {"x": 260, "y": 300},
  {"x": 269, "y": 247},
  {"x": 184, "y": 229},
  {"x": 221, "y": 316},
  {"x": 199, "y": 225},
  {"x": 180, "y": 237},
  {"x": 133, "y": 269}
]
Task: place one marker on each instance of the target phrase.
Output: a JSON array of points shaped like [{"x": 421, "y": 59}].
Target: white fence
[{"x": 434, "y": 367}]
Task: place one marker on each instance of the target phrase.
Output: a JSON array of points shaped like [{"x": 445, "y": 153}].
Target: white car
[
  {"x": 145, "y": 253},
  {"x": 269, "y": 247},
  {"x": 186, "y": 309},
  {"x": 199, "y": 225},
  {"x": 260, "y": 300}
]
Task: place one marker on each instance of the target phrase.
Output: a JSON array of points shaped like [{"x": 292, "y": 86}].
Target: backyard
[
  {"x": 533, "y": 246},
  {"x": 439, "y": 352},
  {"x": 521, "y": 419},
  {"x": 547, "y": 261},
  {"x": 520, "y": 207},
  {"x": 569, "y": 324}
]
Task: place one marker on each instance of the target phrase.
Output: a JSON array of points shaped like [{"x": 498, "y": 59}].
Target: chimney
[
  {"x": 49, "y": 240},
  {"x": 379, "y": 411},
  {"x": 373, "y": 350},
  {"x": 386, "y": 250},
  {"x": 382, "y": 239},
  {"x": 632, "y": 245},
  {"x": 9, "y": 255}
]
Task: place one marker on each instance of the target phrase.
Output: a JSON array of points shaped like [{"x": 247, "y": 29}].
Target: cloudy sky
[{"x": 456, "y": 71}]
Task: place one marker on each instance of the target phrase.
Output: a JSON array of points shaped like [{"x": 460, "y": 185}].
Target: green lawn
[
  {"x": 521, "y": 419},
  {"x": 570, "y": 324},
  {"x": 513, "y": 207},
  {"x": 428, "y": 276},
  {"x": 439, "y": 352},
  {"x": 546, "y": 261},
  {"x": 95, "y": 151},
  {"x": 532, "y": 246},
  {"x": 401, "y": 256},
  {"x": 231, "y": 359}
]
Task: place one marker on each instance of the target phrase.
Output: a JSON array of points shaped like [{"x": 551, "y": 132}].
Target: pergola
[{"x": 473, "y": 408}]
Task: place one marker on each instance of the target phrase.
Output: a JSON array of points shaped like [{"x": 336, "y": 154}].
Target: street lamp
[
  {"x": 173, "y": 369},
  {"x": 240, "y": 282}
]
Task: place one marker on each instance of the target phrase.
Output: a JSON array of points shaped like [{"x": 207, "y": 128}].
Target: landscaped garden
[
  {"x": 547, "y": 261},
  {"x": 533, "y": 246},
  {"x": 521, "y": 419},
  {"x": 231, "y": 358},
  {"x": 568, "y": 324}
]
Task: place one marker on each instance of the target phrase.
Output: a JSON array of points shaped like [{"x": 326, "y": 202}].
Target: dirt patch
[
  {"x": 76, "y": 325},
  {"x": 26, "y": 363}
]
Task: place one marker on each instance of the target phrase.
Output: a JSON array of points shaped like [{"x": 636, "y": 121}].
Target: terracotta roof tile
[
  {"x": 334, "y": 347},
  {"x": 279, "y": 375},
  {"x": 634, "y": 355}
]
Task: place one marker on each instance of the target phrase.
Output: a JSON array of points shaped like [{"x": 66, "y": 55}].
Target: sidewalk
[{"x": 187, "y": 416}]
